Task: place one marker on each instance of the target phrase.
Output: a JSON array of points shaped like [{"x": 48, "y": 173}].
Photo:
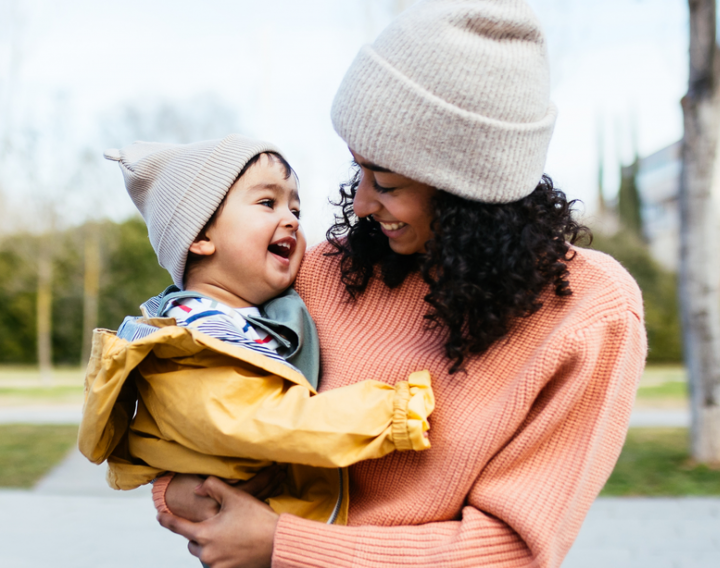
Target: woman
[{"x": 449, "y": 255}]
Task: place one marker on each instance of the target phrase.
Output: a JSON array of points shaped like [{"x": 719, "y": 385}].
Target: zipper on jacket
[{"x": 338, "y": 504}]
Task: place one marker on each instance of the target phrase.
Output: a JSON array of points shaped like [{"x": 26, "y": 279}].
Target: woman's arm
[
  {"x": 524, "y": 509},
  {"x": 529, "y": 502}
]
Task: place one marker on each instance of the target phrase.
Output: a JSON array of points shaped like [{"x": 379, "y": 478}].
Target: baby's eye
[
  {"x": 296, "y": 212},
  {"x": 268, "y": 203}
]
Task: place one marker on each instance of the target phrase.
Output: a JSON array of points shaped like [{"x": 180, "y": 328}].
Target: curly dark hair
[{"x": 486, "y": 264}]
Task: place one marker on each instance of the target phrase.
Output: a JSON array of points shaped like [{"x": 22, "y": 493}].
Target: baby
[{"x": 219, "y": 375}]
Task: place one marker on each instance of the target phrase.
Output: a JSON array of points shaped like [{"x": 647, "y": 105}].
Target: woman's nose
[{"x": 365, "y": 202}]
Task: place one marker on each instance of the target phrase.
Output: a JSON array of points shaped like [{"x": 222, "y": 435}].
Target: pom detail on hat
[{"x": 112, "y": 154}]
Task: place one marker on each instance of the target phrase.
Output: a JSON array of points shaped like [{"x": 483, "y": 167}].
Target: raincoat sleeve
[{"x": 198, "y": 396}]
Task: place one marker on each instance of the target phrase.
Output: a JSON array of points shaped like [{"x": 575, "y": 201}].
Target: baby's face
[{"x": 257, "y": 236}]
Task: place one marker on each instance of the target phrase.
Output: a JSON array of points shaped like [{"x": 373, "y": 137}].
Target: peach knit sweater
[{"x": 521, "y": 444}]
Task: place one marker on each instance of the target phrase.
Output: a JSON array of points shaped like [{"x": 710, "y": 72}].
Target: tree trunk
[
  {"x": 699, "y": 275},
  {"x": 44, "y": 311},
  {"x": 91, "y": 288}
]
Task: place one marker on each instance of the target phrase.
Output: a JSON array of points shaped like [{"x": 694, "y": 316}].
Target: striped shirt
[{"x": 207, "y": 316}]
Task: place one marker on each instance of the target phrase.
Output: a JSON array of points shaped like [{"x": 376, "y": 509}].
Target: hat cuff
[
  {"x": 392, "y": 121},
  {"x": 201, "y": 200}
]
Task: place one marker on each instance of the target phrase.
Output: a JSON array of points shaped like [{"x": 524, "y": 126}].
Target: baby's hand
[{"x": 183, "y": 502}]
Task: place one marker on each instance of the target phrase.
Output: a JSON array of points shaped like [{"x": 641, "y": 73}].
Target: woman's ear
[{"x": 202, "y": 245}]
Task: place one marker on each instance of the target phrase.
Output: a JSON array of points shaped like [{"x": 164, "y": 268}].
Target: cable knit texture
[
  {"x": 455, "y": 94},
  {"x": 521, "y": 444}
]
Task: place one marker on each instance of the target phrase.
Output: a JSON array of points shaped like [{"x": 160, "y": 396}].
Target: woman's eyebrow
[{"x": 375, "y": 168}]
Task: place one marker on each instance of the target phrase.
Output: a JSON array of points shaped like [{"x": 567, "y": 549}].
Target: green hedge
[
  {"x": 660, "y": 296},
  {"x": 130, "y": 274}
]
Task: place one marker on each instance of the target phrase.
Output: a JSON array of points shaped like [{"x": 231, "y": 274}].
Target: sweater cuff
[
  {"x": 477, "y": 540},
  {"x": 159, "y": 488},
  {"x": 413, "y": 403},
  {"x": 293, "y": 544}
]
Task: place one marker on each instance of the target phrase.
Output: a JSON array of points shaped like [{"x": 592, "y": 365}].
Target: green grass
[
  {"x": 655, "y": 462},
  {"x": 28, "y": 452},
  {"x": 42, "y": 392},
  {"x": 664, "y": 390}
]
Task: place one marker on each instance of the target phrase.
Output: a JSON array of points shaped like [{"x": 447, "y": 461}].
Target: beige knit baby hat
[
  {"x": 455, "y": 94},
  {"x": 178, "y": 187}
]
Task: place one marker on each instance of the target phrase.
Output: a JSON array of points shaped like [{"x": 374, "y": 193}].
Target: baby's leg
[{"x": 178, "y": 490}]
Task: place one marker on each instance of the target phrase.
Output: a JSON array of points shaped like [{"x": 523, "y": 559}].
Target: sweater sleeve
[{"x": 528, "y": 503}]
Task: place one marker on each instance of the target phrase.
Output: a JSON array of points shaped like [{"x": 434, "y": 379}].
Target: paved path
[
  {"x": 73, "y": 520},
  {"x": 656, "y": 418},
  {"x": 61, "y": 531},
  {"x": 64, "y": 414},
  {"x": 77, "y": 476},
  {"x": 649, "y": 533}
]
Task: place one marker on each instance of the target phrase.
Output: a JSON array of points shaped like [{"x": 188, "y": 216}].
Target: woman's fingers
[
  {"x": 264, "y": 480},
  {"x": 273, "y": 487},
  {"x": 265, "y": 484},
  {"x": 223, "y": 493},
  {"x": 215, "y": 489},
  {"x": 180, "y": 526},
  {"x": 194, "y": 548}
]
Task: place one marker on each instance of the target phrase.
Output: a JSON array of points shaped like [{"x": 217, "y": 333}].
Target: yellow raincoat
[{"x": 179, "y": 400}]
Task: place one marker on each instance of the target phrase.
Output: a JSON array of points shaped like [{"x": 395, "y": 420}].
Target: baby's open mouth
[{"x": 283, "y": 248}]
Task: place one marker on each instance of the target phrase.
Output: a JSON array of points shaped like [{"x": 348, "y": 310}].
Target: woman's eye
[{"x": 381, "y": 188}]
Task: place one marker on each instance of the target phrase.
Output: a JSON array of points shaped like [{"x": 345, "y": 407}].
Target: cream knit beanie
[
  {"x": 178, "y": 187},
  {"x": 455, "y": 94}
]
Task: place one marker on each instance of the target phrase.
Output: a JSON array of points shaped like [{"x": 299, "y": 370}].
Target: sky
[{"x": 69, "y": 72}]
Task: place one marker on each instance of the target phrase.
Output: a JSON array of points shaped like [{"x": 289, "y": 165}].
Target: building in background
[{"x": 658, "y": 182}]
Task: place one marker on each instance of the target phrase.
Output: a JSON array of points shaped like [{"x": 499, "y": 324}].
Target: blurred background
[{"x": 80, "y": 76}]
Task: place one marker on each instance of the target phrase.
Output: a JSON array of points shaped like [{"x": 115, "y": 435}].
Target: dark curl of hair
[{"x": 486, "y": 264}]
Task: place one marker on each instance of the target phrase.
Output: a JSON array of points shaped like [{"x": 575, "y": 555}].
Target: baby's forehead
[{"x": 289, "y": 189}]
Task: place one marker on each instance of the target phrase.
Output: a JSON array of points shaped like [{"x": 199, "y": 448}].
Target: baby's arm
[
  {"x": 251, "y": 408},
  {"x": 274, "y": 422},
  {"x": 175, "y": 493}
]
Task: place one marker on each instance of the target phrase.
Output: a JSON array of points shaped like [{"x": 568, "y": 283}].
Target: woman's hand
[
  {"x": 184, "y": 501},
  {"x": 240, "y": 535}
]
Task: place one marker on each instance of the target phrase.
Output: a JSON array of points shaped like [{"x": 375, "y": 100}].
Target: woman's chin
[{"x": 404, "y": 248}]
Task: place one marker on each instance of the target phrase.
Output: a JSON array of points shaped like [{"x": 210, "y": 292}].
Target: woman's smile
[
  {"x": 401, "y": 206},
  {"x": 391, "y": 229}
]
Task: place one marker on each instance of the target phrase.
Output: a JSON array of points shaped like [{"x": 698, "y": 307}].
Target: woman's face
[{"x": 401, "y": 206}]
